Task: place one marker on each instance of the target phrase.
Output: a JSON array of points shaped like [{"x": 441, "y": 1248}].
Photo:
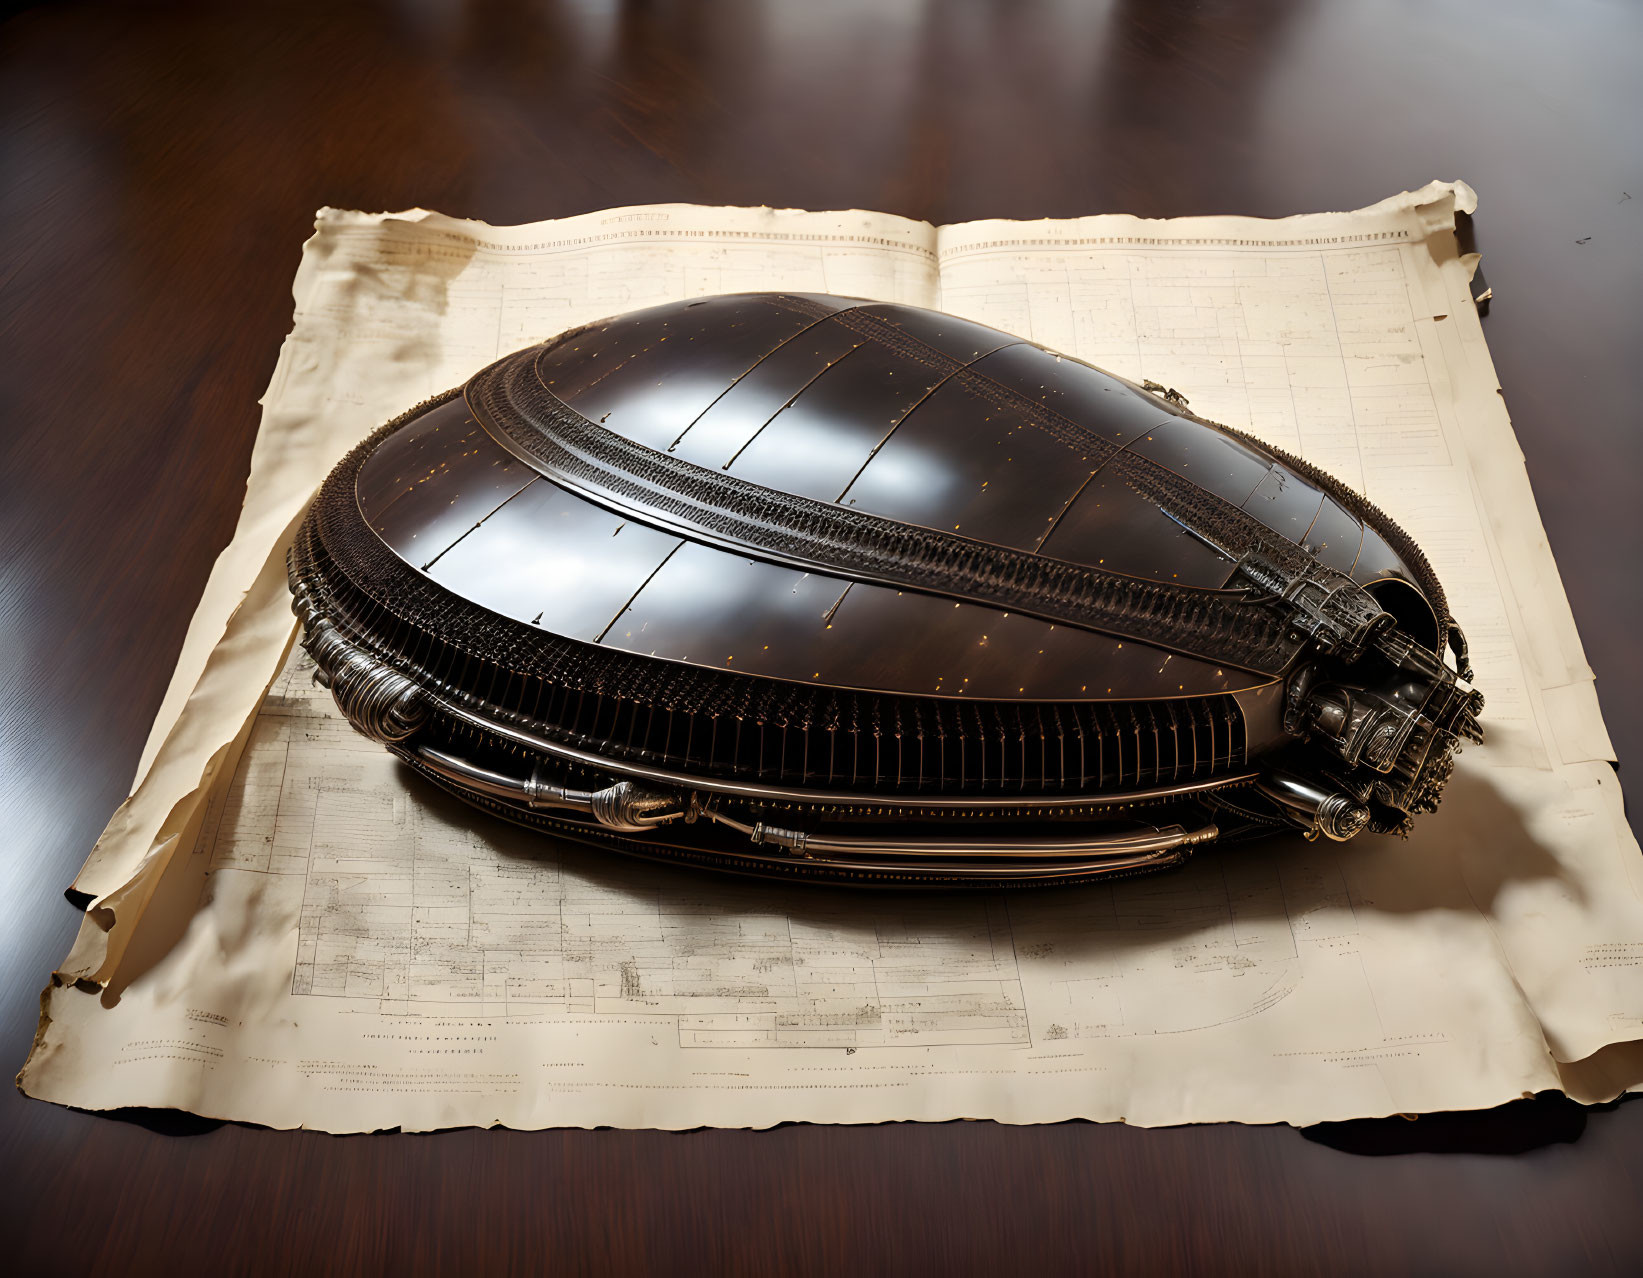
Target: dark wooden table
[{"x": 161, "y": 167}]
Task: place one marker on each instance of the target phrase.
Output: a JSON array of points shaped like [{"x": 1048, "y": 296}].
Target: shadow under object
[
  {"x": 1517, "y": 1127},
  {"x": 829, "y": 589}
]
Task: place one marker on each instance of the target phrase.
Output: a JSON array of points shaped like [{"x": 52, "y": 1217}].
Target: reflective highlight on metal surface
[{"x": 830, "y": 589}]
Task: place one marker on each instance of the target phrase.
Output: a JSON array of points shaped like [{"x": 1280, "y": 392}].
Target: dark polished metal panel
[
  {"x": 960, "y": 463},
  {"x": 1212, "y": 459},
  {"x": 550, "y": 559},
  {"x": 547, "y": 557},
  {"x": 831, "y": 398},
  {"x": 720, "y": 432},
  {"x": 1112, "y": 526},
  {"x": 1377, "y": 561},
  {"x": 816, "y": 444},
  {"x": 960, "y": 339},
  {"x": 947, "y": 650},
  {"x": 1088, "y": 399},
  {"x": 1335, "y": 536},
  {"x": 1285, "y": 503},
  {"x": 720, "y": 509},
  {"x": 432, "y": 482},
  {"x": 611, "y": 371},
  {"x": 970, "y": 383},
  {"x": 707, "y": 607}
]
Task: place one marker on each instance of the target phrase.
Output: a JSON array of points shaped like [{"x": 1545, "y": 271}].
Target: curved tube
[
  {"x": 1330, "y": 813},
  {"x": 1162, "y": 839},
  {"x": 624, "y": 806},
  {"x": 1007, "y": 871}
]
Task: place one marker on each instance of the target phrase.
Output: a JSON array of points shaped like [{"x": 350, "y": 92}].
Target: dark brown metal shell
[
  {"x": 803, "y": 565},
  {"x": 759, "y": 389}
]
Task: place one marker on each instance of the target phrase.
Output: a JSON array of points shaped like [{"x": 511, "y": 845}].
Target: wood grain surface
[{"x": 161, "y": 165}]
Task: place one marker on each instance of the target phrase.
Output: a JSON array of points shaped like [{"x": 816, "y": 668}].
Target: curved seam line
[
  {"x": 650, "y": 577},
  {"x": 1363, "y": 528},
  {"x": 1301, "y": 542},
  {"x": 916, "y": 405},
  {"x": 1323, "y": 498},
  {"x": 522, "y": 487},
  {"x": 1060, "y": 514},
  {"x": 791, "y": 400},
  {"x": 740, "y": 376}
]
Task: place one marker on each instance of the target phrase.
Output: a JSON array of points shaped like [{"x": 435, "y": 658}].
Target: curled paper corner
[
  {"x": 329, "y": 215},
  {"x": 1464, "y": 198},
  {"x": 39, "y": 1050},
  {"x": 1436, "y": 202},
  {"x": 1604, "y": 1075},
  {"x": 110, "y": 920}
]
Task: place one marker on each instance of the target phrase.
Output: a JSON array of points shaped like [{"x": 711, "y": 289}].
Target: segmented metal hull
[{"x": 820, "y": 588}]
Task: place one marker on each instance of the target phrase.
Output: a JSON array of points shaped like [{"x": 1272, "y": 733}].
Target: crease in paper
[{"x": 286, "y": 930}]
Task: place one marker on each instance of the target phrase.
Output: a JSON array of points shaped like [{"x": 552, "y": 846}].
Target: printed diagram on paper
[
  {"x": 413, "y": 904},
  {"x": 345, "y": 947},
  {"x": 414, "y": 901}
]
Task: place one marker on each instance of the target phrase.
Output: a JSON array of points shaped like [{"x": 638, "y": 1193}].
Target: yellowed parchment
[{"x": 288, "y": 930}]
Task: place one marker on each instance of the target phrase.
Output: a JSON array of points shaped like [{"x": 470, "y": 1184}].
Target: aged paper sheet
[{"x": 289, "y": 930}]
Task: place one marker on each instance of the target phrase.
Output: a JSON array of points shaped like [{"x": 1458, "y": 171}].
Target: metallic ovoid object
[{"x": 830, "y": 589}]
